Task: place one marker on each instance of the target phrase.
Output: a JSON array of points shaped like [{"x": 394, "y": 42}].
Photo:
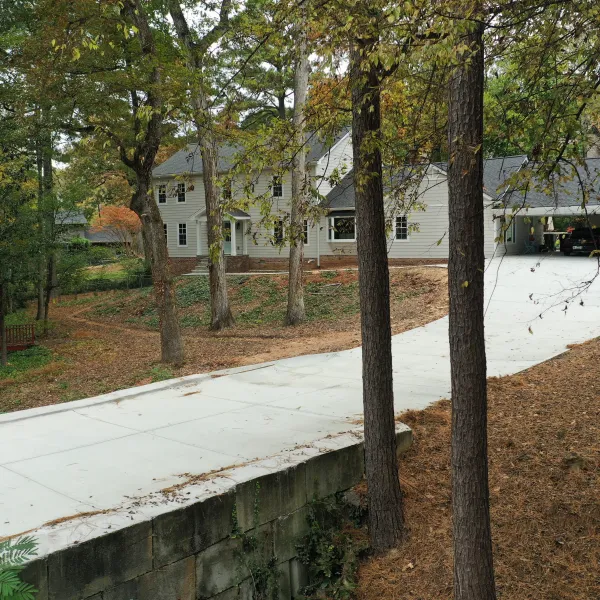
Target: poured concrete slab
[{"x": 107, "y": 456}]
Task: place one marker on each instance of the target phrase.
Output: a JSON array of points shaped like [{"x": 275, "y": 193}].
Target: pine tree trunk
[
  {"x": 3, "y": 340},
  {"x": 220, "y": 312},
  {"x": 295, "y": 306},
  {"x": 40, "y": 292},
  {"x": 153, "y": 236},
  {"x": 473, "y": 564},
  {"x": 41, "y": 232},
  {"x": 386, "y": 521},
  {"x": 50, "y": 283}
]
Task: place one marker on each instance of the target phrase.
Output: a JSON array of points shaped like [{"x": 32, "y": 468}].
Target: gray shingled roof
[
  {"x": 70, "y": 217},
  {"x": 188, "y": 160},
  {"x": 496, "y": 172},
  {"x": 561, "y": 194}
]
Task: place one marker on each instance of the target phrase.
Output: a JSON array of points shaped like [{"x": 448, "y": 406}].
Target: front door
[{"x": 227, "y": 237}]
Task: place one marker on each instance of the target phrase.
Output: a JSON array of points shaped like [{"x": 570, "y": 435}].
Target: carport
[{"x": 526, "y": 221}]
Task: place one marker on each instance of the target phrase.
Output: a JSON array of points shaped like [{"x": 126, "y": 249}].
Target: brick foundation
[
  {"x": 237, "y": 264},
  {"x": 335, "y": 261},
  {"x": 243, "y": 264},
  {"x": 179, "y": 266}
]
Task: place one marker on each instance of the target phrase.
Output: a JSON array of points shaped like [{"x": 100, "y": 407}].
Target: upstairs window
[
  {"x": 401, "y": 228},
  {"x": 182, "y": 234},
  {"x": 181, "y": 192},
  {"x": 277, "y": 187},
  {"x": 162, "y": 194},
  {"x": 305, "y": 232}
]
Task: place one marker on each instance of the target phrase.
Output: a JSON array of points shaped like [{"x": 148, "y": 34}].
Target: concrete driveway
[{"x": 104, "y": 453}]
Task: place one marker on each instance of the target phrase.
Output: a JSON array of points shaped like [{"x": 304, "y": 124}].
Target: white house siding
[
  {"x": 174, "y": 212},
  {"x": 263, "y": 248}
]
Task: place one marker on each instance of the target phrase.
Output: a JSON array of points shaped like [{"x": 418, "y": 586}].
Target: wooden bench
[{"x": 19, "y": 337}]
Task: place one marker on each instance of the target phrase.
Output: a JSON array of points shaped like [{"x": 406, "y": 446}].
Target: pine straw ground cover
[
  {"x": 544, "y": 451},
  {"x": 107, "y": 341}
]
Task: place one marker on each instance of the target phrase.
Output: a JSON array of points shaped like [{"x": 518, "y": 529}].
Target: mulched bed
[{"x": 544, "y": 450}]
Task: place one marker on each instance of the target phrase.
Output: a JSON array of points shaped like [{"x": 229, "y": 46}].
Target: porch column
[
  {"x": 198, "y": 253},
  {"x": 233, "y": 248}
]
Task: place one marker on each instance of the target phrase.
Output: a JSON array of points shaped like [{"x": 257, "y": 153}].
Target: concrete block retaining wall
[{"x": 202, "y": 550}]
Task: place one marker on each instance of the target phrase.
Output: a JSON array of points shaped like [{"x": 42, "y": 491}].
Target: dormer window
[{"x": 181, "y": 192}]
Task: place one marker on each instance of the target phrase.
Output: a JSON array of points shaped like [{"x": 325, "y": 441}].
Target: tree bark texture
[
  {"x": 473, "y": 564},
  {"x": 220, "y": 312},
  {"x": 386, "y": 521},
  {"x": 295, "y": 306},
  {"x": 155, "y": 246},
  {"x": 40, "y": 217},
  {"x": 143, "y": 202},
  {"x": 3, "y": 340},
  {"x": 221, "y": 316}
]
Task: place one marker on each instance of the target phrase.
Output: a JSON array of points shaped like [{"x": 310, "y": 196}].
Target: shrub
[{"x": 13, "y": 555}]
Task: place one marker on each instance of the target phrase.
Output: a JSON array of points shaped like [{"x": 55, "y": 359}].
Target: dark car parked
[{"x": 584, "y": 240}]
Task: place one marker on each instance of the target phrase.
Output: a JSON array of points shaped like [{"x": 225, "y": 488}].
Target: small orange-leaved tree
[{"x": 119, "y": 225}]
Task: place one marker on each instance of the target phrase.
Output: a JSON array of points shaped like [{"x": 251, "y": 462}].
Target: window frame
[
  {"x": 166, "y": 232},
  {"x": 281, "y": 224},
  {"x": 306, "y": 233},
  {"x": 332, "y": 231},
  {"x": 512, "y": 227},
  {"x": 181, "y": 193},
  {"x": 162, "y": 193},
  {"x": 179, "y": 244},
  {"x": 276, "y": 182},
  {"x": 397, "y": 229}
]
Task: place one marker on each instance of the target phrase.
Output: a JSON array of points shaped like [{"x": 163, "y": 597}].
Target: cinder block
[
  {"x": 228, "y": 563},
  {"x": 219, "y": 568},
  {"x": 287, "y": 532},
  {"x": 176, "y": 581},
  {"x": 404, "y": 439},
  {"x": 334, "y": 471},
  {"x": 189, "y": 530},
  {"x": 261, "y": 500},
  {"x": 36, "y": 573},
  {"x": 285, "y": 588},
  {"x": 233, "y": 593},
  {"x": 298, "y": 577},
  {"x": 101, "y": 563}
]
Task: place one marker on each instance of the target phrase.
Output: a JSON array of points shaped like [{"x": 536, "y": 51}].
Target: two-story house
[
  {"x": 419, "y": 233},
  {"x": 180, "y": 196}
]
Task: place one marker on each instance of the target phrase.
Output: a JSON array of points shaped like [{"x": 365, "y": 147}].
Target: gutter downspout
[{"x": 319, "y": 244}]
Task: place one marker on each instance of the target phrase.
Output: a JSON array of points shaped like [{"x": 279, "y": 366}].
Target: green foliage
[
  {"x": 161, "y": 374},
  {"x": 193, "y": 321},
  {"x": 14, "y": 553},
  {"x": 255, "y": 554},
  {"x": 246, "y": 293},
  {"x": 329, "y": 274},
  {"x": 79, "y": 244},
  {"x": 25, "y": 360},
  {"x": 196, "y": 290},
  {"x": 331, "y": 553}
]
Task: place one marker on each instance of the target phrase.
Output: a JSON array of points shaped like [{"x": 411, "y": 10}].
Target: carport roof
[{"x": 564, "y": 190}]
